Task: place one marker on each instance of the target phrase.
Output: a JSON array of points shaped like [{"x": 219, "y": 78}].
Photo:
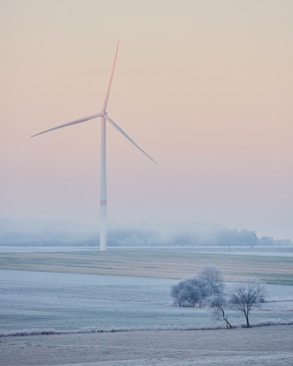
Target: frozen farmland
[{"x": 41, "y": 301}]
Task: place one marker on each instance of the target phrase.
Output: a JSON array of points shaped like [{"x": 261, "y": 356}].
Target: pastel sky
[{"x": 204, "y": 86}]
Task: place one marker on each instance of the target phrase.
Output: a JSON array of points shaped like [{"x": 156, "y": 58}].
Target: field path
[{"x": 260, "y": 346}]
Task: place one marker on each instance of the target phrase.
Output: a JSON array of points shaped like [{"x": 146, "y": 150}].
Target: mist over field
[
  {"x": 29, "y": 232},
  {"x": 205, "y": 87}
]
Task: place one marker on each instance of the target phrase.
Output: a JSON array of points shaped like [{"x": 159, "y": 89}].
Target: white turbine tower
[{"x": 103, "y": 115}]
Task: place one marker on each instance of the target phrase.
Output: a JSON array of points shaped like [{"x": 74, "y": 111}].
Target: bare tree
[
  {"x": 246, "y": 296},
  {"x": 218, "y": 304}
]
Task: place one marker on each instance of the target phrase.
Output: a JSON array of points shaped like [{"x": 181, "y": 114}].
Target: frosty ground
[
  {"x": 49, "y": 301},
  {"x": 87, "y": 293},
  {"x": 69, "y": 301},
  {"x": 270, "y": 346}
]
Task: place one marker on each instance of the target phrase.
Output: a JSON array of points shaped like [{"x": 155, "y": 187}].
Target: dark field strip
[
  {"x": 154, "y": 263},
  {"x": 261, "y": 346}
]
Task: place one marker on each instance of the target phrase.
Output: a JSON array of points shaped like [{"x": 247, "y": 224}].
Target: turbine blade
[
  {"x": 128, "y": 138},
  {"x": 110, "y": 80},
  {"x": 69, "y": 123}
]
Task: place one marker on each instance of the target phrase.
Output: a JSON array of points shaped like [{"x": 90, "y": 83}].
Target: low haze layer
[{"x": 203, "y": 86}]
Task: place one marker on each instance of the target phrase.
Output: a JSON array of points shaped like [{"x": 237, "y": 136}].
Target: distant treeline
[
  {"x": 53, "y": 234},
  {"x": 224, "y": 237}
]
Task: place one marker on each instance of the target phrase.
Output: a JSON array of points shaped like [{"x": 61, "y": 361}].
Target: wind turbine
[{"x": 103, "y": 115}]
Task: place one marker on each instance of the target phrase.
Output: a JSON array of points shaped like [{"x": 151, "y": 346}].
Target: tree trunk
[{"x": 247, "y": 321}]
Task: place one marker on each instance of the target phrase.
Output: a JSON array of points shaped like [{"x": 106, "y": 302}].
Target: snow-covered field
[
  {"x": 138, "y": 322},
  {"x": 45, "y": 301}
]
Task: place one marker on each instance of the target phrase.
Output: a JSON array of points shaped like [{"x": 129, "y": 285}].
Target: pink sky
[{"x": 205, "y": 87}]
